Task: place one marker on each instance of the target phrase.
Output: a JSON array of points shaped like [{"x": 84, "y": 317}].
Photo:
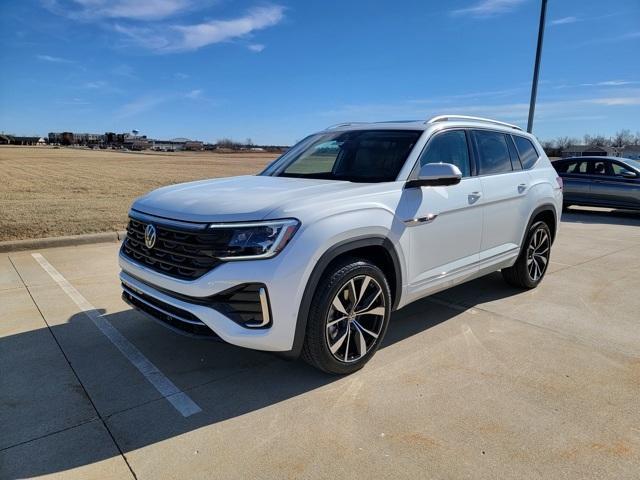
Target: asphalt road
[{"x": 482, "y": 381}]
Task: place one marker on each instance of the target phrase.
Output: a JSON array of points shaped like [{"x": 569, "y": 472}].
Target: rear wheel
[
  {"x": 348, "y": 317},
  {"x": 532, "y": 263}
]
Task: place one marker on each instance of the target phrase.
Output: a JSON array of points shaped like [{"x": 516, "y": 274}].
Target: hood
[{"x": 235, "y": 199}]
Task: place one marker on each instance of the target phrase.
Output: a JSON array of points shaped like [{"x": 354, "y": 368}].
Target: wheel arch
[
  {"x": 546, "y": 212},
  {"x": 365, "y": 246}
]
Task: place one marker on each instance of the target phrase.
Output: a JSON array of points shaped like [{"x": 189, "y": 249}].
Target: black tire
[
  {"x": 520, "y": 274},
  {"x": 324, "y": 323}
]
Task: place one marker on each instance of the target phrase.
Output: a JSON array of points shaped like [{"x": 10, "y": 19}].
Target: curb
[{"x": 52, "y": 242}]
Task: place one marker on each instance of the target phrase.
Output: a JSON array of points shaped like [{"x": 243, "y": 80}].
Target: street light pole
[{"x": 536, "y": 69}]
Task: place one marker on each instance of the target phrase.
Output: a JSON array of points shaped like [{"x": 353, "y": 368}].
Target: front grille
[
  {"x": 173, "y": 317},
  {"x": 180, "y": 253},
  {"x": 242, "y": 304}
]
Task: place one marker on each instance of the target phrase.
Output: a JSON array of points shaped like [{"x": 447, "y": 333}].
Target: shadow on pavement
[
  {"x": 613, "y": 217},
  {"x": 240, "y": 382}
]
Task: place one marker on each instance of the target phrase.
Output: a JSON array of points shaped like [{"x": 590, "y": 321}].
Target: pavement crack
[{"x": 49, "y": 434}]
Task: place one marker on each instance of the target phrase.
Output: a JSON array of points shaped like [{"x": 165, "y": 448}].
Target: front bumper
[{"x": 174, "y": 299}]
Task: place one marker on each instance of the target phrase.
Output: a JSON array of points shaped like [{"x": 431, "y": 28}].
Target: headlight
[{"x": 246, "y": 241}]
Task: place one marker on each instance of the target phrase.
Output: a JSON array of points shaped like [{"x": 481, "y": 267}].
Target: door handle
[
  {"x": 474, "y": 196},
  {"x": 522, "y": 187}
]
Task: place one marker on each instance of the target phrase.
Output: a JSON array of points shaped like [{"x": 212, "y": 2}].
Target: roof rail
[
  {"x": 344, "y": 124},
  {"x": 445, "y": 118}
]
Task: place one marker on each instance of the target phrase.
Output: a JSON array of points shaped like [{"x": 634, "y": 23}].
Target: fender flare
[
  {"x": 546, "y": 207},
  {"x": 314, "y": 279}
]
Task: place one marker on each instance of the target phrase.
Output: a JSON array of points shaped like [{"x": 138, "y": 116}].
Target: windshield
[
  {"x": 354, "y": 156},
  {"x": 634, "y": 163}
]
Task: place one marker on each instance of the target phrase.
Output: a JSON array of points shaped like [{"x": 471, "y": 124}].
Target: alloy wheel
[
  {"x": 355, "y": 318},
  {"x": 538, "y": 254}
]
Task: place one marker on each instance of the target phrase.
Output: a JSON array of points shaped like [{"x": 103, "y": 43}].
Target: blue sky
[{"x": 274, "y": 72}]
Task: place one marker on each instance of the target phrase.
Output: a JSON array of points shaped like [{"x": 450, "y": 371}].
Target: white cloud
[
  {"x": 181, "y": 76},
  {"x": 256, "y": 47},
  {"x": 196, "y": 36},
  {"x": 488, "y": 8},
  {"x": 152, "y": 101},
  {"x": 616, "y": 101},
  {"x": 179, "y": 38},
  {"x": 49, "y": 58},
  {"x": 609, "y": 83},
  {"x": 604, "y": 40},
  {"x": 96, "y": 85},
  {"x": 564, "y": 20},
  {"x": 507, "y": 92},
  {"x": 73, "y": 102},
  {"x": 125, "y": 71},
  {"x": 194, "y": 94},
  {"x": 125, "y": 9},
  {"x": 515, "y": 112},
  {"x": 140, "y": 105}
]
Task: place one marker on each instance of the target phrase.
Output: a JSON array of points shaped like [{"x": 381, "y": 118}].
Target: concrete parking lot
[{"x": 482, "y": 381}]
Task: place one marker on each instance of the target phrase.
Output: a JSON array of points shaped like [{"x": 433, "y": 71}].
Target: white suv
[{"x": 312, "y": 255}]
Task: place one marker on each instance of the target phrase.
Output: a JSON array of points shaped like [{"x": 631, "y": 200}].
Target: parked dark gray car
[{"x": 600, "y": 181}]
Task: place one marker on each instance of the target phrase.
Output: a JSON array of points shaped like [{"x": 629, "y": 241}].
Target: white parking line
[{"x": 165, "y": 387}]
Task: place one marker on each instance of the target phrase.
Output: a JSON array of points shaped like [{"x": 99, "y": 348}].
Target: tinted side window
[
  {"x": 515, "y": 158},
  {"x": 599, "y": 168},
  {"x": 561, "y": 167},
  {"x": 493, "y": 152},
  {"x": 618, "y": 169},
  {"x": 576, "y": 167},
  {"x": 527, "y": 151},
  {"x": 448, "y": 147}
]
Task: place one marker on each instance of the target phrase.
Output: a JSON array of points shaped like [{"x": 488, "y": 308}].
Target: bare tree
[
  {"x": 596, "y": 140},
  {"x": 548, "y": 144},
  {"x": 622, "y": 138},
  {"x": 564, "y": 142},
  {"x": 228, "y": 143}
]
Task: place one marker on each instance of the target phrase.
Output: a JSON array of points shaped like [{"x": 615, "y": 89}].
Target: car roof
[
  {"x": 461, "y": 121},
  {"x": 592, "y": 157}
]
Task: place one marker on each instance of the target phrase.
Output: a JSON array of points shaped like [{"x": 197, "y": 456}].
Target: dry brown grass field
[{"x": 46, "y": 192}]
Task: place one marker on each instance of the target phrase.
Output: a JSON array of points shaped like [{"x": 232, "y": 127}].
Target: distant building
[
  {"x": 587, "y": 151},
  {"x": 123, "y": 140},
  {"x": 135, "y": 142},
  {"x": 16, "y": 140}
]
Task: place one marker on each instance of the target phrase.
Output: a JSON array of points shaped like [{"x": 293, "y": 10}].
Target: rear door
[
  {"x": 505, "y": 187},
  {"x": 576, "y": 182}
]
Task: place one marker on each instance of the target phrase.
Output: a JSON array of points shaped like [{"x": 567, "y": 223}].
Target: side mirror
[
  {"x": 628, "y": 174},
  {"x": 436, "y": 175}
]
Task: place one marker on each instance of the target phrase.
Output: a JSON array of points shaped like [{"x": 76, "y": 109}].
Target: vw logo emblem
[{"x": 150, "y": 236}]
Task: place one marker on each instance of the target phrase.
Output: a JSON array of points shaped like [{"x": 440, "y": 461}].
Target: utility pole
[{"x": 536, "y": 68}]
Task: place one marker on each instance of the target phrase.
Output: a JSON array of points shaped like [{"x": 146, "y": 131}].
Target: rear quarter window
[{"x": 526, "y": 150}]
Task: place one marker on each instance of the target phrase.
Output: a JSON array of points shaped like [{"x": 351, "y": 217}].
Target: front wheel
[
  {"x": 348, "y": 317},
  {"x": 533, "y": 261}
]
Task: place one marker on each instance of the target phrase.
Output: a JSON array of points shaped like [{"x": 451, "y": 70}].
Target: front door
[
  {"x": 609, "y": 187},
  {"x": 443, "y": 223}
]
